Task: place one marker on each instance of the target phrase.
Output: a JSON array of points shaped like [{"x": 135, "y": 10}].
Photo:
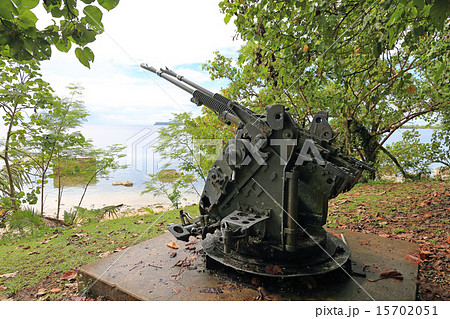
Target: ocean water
[{"x": 142, "y": 160}]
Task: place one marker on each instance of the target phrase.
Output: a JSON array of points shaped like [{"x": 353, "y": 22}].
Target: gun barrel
[
  {"x": 222, "y": 106},
  {"x": 168, "y": 78},
  {"x": 183, "y": 79}
]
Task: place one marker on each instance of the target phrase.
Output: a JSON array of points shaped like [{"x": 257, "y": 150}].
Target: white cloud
[{"x": 161, "y": 33}]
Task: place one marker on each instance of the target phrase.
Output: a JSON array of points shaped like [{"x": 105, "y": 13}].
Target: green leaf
[
  {"x": 439, "y": 71},
  {"x": 227, "y": 18},
  {"x": 7, "y": 9},
  {"x": 419, "y": 4},
  {"x": 63, "y": 46},
  {"x": 26, "y": 4},
  {"x": 84, "y": 56},
  {"x": 439, "y": 13},
  {"x": 56, "y": 12},
  {"x": 28, "y": 19},
  {"x": 88, "y": 1},
  {"x": 377, "y": 49},
  {"x": 93, "y": 16},
  {"x": 108, "y": 4}
]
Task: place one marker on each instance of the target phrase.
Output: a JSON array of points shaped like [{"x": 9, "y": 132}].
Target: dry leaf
[
  {"x": 55, "y": 290},
  {"x": 273, "y": 270},
  {"x": 424, "y": 254},
  {"x": 172, "y": 245},
  {"x": 9, "y": 275},
  {"x": 393, "y": 274},
  {"x": 413, "y": 259},
  {"x": 364, "y": 243},
  {"x": 134, "y": 235},
  {"x": 33, "y": 252},
  {"x": 41, "y": 292},
  {"x": 305, "y": 48},
  {"x": 103, "y": 255},
  {"x": 411, "y": 89},
  {"x": 176, "y": 291},
  {"x": 2, "y": 288},
  {"x": 357, "y": 50},
  {"x": 175, "y": 277},
  {"x": 69, "y": 275}
]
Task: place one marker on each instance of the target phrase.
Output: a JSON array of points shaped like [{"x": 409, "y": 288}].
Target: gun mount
[{"x": 265, "y": 200}]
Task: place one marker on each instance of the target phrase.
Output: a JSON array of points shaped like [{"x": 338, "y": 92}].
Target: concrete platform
[{"x": 149, "y": 271}]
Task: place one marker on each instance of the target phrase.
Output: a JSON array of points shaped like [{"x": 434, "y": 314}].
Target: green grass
[{"x": 73, "y": 246}]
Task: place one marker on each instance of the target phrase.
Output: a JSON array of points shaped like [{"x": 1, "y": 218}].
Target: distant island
[{"x": 161, "y": 123}]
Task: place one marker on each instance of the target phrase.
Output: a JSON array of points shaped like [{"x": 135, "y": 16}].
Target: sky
[{"x": 179, "y": 34}]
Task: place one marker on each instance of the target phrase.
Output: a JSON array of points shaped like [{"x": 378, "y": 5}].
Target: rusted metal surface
[{"x": 150, "y": 271}]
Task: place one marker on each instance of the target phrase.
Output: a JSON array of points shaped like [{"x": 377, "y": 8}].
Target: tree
[
  {"x": 21, "y": 40},
  {"x": 374, "y": 65},
  {"x": 106, "y": 161},
  {"x": 21, "y": 91},
  {"x": 169, "y": 183},
  {"x": 49, "y": 133},
  {"x": 416, "y": 157},
  {"x": 193, "y": 142}
]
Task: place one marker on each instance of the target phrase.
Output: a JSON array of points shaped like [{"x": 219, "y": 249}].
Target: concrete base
[{"x": 149, "y": 271}]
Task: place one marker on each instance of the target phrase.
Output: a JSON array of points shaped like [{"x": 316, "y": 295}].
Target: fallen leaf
[
  {"x": 172, "y": 245},
  {"x": 175, "y": 277},
  {"x": 79, "y": 235},
  {"x": 424, "y": 254},
  {"x": 2, "y": 288},
  {"x": 182, "y": 263},
  {"x": 176, "y": 291},
  {"x": 26, "y": 247},
  {"x": 54, "y": 236},
  {"x": 134, "y": 235},
  {"x": 172, "y": 254},
  {"x": 33, "y": 252},
  {"x": 9, "y": 275},
  {"x": 364, "y": 243},
  {"x": 357, "y": 50},
  {"x": 273, "y": 269},
  {"x": 103, "y": 255},
  {"x": 55, "y": 290},
  {"x": 69, "y": 275},
  {"x": 41, "y": 292},
  {"x": 71, "y": 285},
  {"x": 392, "y": 274},
  {"x": 412, "y": 259}
]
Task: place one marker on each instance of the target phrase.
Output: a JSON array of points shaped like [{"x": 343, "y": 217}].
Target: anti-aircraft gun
[{"x": 266, "y": 196}]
